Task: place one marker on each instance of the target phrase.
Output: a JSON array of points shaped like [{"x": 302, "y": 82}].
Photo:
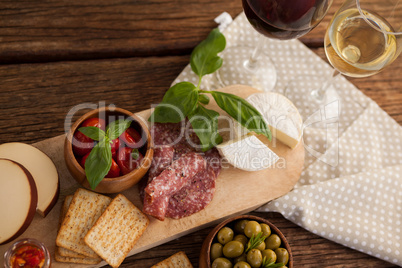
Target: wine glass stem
[
  {"x": 319, "y": 93},
  {"x": 252, "y": 63}
]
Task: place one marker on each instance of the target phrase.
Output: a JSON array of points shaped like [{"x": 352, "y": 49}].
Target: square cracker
[
  {"x": 178, "y": 260},
  {"x": 117, "y": 230},
  {"x": 66, "y": 255},
  {"x": 85, "y": 208},
  {"x": 86, "y": 260}
]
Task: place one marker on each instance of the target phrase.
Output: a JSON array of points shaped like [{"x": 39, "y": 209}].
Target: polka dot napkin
[{"x": 350, "y": 190}]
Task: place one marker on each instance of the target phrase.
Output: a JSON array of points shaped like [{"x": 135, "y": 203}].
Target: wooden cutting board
[{"x": 237, "y": 192}]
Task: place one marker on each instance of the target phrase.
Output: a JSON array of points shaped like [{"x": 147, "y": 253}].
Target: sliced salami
[
  {"x": 156, "y": 207},
  {"x": 163, "y": 157},
  {"x": 214, "y": 160},
  {"x": 166, "y": 133},
  {"x": 180, "y": 149},
  {"x": 175, "y": 134},
  {"x": 193, "y": 197},
  {"x": 181, "y": 179},
  {"x": 173, "y": 178}
]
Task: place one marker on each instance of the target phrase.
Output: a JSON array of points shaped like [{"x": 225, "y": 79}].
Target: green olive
[
  {"x": 239, "y": 226},
  {"x": 222, "y": 263},
  {"x": 273, "y": 242},
  {"x": 269, "y": 254},
  {"x": 233, "y": 249},
  {"x": 254, "y": 258},
  {"x": 252, "y": 228},
  {"x": 241, "y": 238},
  {"x": 282, "y": 255},
  {"x": 242, "y": 264},
  {"x": 261, "y": 246},
  {"x": 225, "y": 235},
  {"x": 265, "y": 229},
  {"x": 216, "y": 251},
  {"x": 242, "y": 257}
]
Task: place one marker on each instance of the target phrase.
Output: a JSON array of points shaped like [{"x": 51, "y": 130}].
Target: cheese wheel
[
  {"x": 41, "y": 168},
  {"x": 18, "y": 200}
]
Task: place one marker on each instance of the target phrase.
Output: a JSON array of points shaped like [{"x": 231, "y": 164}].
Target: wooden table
[{"x": 57, "y": 54}]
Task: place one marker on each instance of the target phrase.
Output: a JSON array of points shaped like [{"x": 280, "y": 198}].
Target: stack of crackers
[{"x": 95, "y": 227}]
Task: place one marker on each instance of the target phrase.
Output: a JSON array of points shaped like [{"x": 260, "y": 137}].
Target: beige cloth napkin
[{"x": 351, "y": 188}]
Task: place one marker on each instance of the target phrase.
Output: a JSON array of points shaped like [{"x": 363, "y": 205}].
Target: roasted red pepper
[
  {"x": 28, "y": 256},
  {"x": 128, "y": 159}
]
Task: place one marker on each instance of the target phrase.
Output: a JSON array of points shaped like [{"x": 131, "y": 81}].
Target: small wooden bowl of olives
[{"x": 245, "y": 242}]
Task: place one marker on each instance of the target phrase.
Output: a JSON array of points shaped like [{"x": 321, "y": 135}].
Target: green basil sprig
[
  {"x": 268, "y": 264},
  {"x": 186, "y": 100},
  {"x": 99, "y": 160}
]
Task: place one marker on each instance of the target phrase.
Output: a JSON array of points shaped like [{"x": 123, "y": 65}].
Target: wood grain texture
[
  {"x": 35, "y": 98},
  {"x": 308, "y": 249},
  {"x": 34, "y": 31}
]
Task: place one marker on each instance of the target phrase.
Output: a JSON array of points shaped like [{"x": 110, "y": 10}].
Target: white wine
[{"x": 357, "y": 49}]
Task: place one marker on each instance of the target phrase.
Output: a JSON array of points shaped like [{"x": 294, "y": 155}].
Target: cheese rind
[
  {"x": 41, "y": 168},
  {"x": 280, "y": 114},
  {"x": 18, "y": 200}
]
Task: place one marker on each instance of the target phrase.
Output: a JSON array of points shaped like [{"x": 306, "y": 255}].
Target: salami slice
[
  {"x": 193, "y": 197},
  {"x": 214, "y": 160},
  {"x": 180, "y": 149},
  {"x": 173, "y": 178},
  {"x": 163, "y": 157},
  {"x": 167, "y": 133},
  {"x": 181, "y": 179},
  {"x": 175, "y": 134},
  {"x": 156, "y": 207}
]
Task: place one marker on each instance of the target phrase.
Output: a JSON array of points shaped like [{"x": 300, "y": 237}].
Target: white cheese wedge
[
  {"x": 18, "y": 200},
  {"x": 42, "y": 169},
  {"x": 247, "y": 153},
  {"x": 280, "y": 114}
]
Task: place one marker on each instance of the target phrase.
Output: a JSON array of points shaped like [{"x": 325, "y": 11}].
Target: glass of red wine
[{"x": 279, "y": 19}]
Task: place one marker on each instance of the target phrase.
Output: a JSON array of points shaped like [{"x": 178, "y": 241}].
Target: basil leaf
[
  {"x": 98, "y": 163},
  {"x": 204, "y": 99},
  {"x": 116, "y": 128},
  {"x": 179, "y": 101},
  {"x": 243, "y": 112},
  {"x": 205, "y": 125},
  {"x": 204, "y": 58},
  {"x": 94, "y": 133},
  {"x": 135, "y": 154}
]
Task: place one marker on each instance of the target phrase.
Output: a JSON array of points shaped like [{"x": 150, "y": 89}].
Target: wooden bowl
[
  {"x": 205, "y": 260},
  {"x": 117, "y": 184}
]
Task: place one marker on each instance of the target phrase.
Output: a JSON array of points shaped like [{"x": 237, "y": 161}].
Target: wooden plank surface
[
  {"x": 33, "y": 31},
  {"x": 128, "y": 53}
]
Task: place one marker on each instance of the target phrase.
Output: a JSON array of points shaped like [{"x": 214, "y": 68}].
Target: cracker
[
  {"x": 85, "y": 208},
  {"x": 178, "y": 260},
  {"x": 117, "y": 230},
  {"x": 87, "y": 260},
  {"x": 63, "y": 251}
]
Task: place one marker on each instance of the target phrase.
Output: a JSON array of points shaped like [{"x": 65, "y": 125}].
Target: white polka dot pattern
[{"x": 350, "y": 190}]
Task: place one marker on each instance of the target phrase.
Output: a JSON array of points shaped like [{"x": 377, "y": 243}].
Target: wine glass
[
  {"x": 362, "y": 38},
  {"x": 279, "y": 19}
]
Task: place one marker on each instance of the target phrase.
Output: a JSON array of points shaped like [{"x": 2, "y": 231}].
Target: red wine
[{"x": 285, "y": 19}]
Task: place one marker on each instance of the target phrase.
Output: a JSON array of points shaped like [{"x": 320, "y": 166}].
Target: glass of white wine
[{"x": 363, "y": 37}]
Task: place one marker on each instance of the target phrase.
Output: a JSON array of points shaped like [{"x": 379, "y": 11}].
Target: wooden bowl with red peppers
[{"x": 121, "y": 176}]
